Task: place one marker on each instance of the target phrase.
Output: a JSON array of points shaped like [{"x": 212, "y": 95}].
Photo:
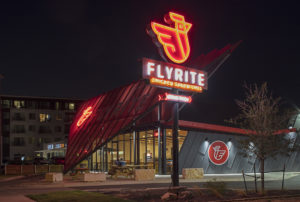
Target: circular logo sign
[{"x": 218, "y": 152}]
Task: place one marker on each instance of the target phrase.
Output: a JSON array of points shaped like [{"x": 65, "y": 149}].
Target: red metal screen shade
[{"x": 111, "y": 112}]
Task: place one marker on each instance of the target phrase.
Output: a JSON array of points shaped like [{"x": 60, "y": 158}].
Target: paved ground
[{"x": 15, "y": 189}]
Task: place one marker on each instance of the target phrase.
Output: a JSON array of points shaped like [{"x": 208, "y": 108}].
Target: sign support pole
[
  {"x": 159, "y": 139},
  {"x": 175, "y": 172}
]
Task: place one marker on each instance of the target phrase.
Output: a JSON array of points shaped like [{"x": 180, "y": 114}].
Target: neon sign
[
  {"x": 175, "y": 98},
  {"x": 85, "y": 114},
  {"x": 174, "y": 76},
  {"x": 174, "y": 39}
]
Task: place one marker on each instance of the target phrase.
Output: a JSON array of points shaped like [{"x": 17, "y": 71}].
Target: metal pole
[
  {"x": 255, "y": 179},
  {"x": 118, "y": 158},
  {"x": 124, "y": 147},
  {"x": 175, "y": 171},
  {"x": 130, "y": 148},
  {"x": 245, "y": 182},
  {"x": 1, "y": 137},
  {"x": 283, "y": 177},
  {"x": 153, "y": 153},
  {"x": 138, "y": 148},
  {"x": 97, "y": 160},
  {"x": 112, "y": 152},
  {"x": 164, "y": 157},
  {"x": 106, "y": 157},
  {"x": 159, "y": 138},
  {"x": 134, "y": 146},
  {"x": 102, "y": 158},
  {"x": 146, "y": 148}
]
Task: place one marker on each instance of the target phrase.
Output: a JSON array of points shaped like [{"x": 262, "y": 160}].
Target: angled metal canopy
[{"x": 111, "y": 113}]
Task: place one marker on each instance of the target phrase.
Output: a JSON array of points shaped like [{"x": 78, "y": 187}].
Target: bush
[{"x": 216, "y": 186}]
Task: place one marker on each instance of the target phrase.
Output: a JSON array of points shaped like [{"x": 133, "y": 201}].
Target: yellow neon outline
[{"x": 174, "y": 17}]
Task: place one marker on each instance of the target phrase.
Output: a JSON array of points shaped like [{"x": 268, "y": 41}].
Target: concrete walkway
[
  {"x": 15, "y": 189},
  {"x": 15, "y": 198}
]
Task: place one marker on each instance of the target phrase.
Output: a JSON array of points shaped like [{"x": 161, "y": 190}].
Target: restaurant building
[{"x": 131, "y": 124}]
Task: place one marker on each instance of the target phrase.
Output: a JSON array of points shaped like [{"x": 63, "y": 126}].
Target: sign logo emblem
[
  {"x": 85, "y": 114},
  {"x": 218, "y": 152},
  {"x": 174, "y": 38}
]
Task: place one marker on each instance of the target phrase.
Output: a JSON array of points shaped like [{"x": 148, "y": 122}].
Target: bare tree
[{"x": 263, "y": 120}]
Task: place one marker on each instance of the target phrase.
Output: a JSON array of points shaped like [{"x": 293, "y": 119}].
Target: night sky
[{"x": 81, "y": 49}]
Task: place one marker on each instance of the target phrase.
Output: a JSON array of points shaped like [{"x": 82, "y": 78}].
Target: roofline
[
  {"x": 40, "y": 97},
  {"x": 220, "y": 128},
  {"x": 210, "y": 127}
]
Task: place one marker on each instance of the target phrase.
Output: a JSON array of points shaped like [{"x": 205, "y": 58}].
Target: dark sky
[{"x": 83, "y": 48}]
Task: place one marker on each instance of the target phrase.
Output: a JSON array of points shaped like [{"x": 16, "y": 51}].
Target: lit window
[
  {"x": 42, "y": 117},
  {"x": 45, "y": 117},
  {"x": 71, "y": 106},
  {"x": 19, "y": 104}
]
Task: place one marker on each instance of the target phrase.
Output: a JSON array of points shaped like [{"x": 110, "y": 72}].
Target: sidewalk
[
  {"x": 159, "y": 179},
  {"x": 15, "y": 198},
  {"x": 6, "y": 179},
  {"x": 14, "y": 190}
]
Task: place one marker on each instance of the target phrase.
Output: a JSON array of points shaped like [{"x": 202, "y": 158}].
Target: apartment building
[{"x": 28, "y": 123}]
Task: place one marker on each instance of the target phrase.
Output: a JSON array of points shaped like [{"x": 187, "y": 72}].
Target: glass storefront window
[{"x": 122, "y": 147}]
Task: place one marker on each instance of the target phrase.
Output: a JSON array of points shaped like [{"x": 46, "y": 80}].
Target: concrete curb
[{"x": 263, "y": 197}]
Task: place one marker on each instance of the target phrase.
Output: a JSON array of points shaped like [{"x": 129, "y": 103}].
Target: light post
[{"x": 1, "y": 139}]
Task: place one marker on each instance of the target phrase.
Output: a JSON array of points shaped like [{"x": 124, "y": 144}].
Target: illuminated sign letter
[
  {"x": 174, "y": 39},
  {"x": 193, "y": 76},
  {"x": 201, "y": 79},
  {"x": 169, "y": 71},
  {"x": 150, "y": 68},
  {"x": 178, "y": 74},
  {"x": 159, "y": 72}
]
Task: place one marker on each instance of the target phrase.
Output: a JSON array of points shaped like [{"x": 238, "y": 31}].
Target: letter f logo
[{"x": 174, "y": 39}]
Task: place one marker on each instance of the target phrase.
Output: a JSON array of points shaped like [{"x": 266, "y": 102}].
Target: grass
[
  {"x": 7, "y": 176},
  {"x": 74, "y": 196}
]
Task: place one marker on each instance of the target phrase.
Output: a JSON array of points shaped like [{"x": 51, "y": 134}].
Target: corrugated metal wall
[{"x": 193, "y": 154}]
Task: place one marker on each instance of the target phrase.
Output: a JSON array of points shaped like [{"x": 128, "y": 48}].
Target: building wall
[
  {"x": 193, "y": 154},
  {"x": 27, "y": 126}
]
